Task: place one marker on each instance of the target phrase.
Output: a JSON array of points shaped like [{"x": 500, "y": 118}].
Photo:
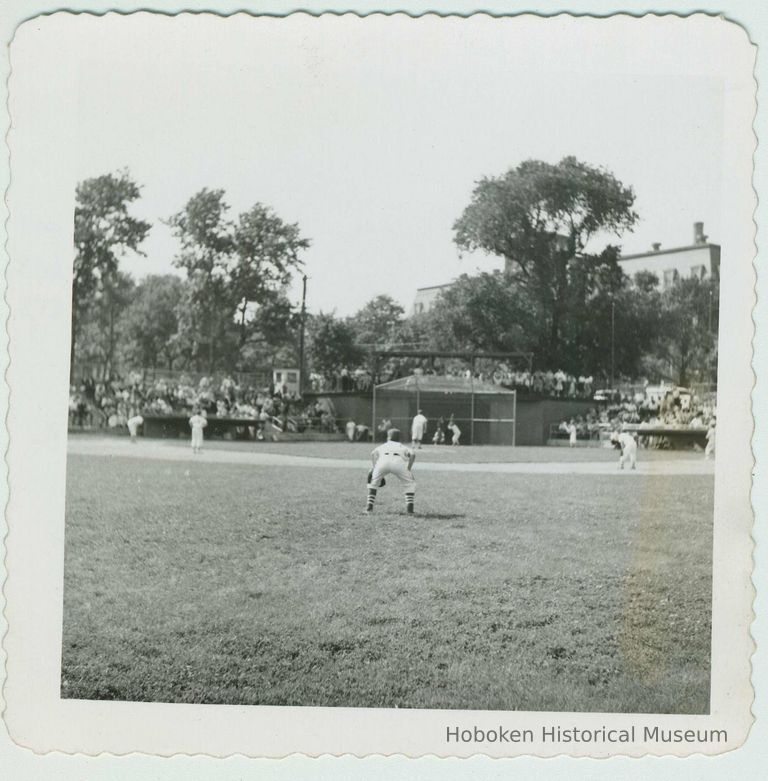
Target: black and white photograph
[{"x": 393, "y": 366}]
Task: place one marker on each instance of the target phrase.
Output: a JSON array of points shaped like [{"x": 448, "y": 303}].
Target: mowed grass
[{"x": 208, "y": 583}]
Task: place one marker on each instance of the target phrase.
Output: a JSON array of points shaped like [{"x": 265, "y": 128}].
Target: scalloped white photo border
[{"x": 43, "y": 54}]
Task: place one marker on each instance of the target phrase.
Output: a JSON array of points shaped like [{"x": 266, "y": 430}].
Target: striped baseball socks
[
  {"x": 409, "y": 503},
  {"x": 371, "y": 499}
]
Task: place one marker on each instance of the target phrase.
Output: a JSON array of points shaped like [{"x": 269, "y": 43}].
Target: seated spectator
[{"x": 327, "y": 422}]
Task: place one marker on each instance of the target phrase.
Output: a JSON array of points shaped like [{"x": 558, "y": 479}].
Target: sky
[{"x": 370, "y": 133}]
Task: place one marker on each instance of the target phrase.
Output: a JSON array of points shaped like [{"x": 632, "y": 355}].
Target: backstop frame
[{"x": 472, "y": 358}]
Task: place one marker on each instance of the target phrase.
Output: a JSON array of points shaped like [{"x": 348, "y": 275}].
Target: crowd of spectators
[
  {"x": 111, "y": 403},
  {"x": 554, "y": 384},
  {"x": 342, "y": 380},
  {"x": 97, "y": 402},
  {"x": 676, "y": 408}
]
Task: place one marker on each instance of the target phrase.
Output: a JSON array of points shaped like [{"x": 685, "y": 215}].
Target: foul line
[{"x": 164, "y": 451}]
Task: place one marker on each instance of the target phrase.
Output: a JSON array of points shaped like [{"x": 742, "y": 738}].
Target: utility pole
[
  {"x": 302, "y": 383},
  {"x": 613, "y": 344}
]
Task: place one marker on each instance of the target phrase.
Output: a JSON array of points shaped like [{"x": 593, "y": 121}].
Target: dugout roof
[{"x": 431, "y": 383}]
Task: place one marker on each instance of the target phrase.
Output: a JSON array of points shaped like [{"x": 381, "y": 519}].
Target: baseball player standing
[
  {"x": 572, "y": 433},
  {"x": 418, "y": 429},
  {"x": 711, "y": 435},
  {"x": 392, "y": 458},
  {"x": 197, "y": 423}
]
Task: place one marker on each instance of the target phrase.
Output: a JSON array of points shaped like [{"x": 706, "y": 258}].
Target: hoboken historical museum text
[{"x": 558, "y": 734}]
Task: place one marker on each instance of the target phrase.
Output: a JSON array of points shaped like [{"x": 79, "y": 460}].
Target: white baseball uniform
[
  {"x": 710, "y": 448},
  {"x": 393, "y": 458},
  {"x": 133, "y": 425},
  {"x": 418, "y": 428},
  {"x": 197, "y": 423},
  {"x": 628, "y": 450}
]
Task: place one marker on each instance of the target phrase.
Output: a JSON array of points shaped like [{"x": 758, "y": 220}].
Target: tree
[
  {"x": 266, "y": 252},
  {"x": 276, "y": 322},
  {"x": 331, "y": 343},
  {"x": 481, "y": 313},
  {"x": 379, "y": 322},
  {"x": 206, "y": 241},
  {"x": 234, "y": 271},
  {"x": 273, "y": 335},
  {"x": 104, "y": 231},
  {"x": 151, "y": 322},
  {"x": 687, "y": 338},
  {"x": 540, "y": 219},
  {"x": 614, "y": 319},
  {"x": 186, "y": 339},
  {"x": 101, "y": 325}
]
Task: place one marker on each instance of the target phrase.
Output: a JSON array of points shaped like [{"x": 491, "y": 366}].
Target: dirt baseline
[{"x": 173, "y": 450}]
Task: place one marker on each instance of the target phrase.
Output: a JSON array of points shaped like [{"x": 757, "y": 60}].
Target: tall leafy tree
[
  {"x": 104, "y": 231},
  {"x": 266, "y": 253},
  {"x": 540, "y": 218},
  {"x": 207, "y": 246},
  {"x": 615, "y": 319},
  {"x": 687, "y": 337},
  {"x": 151, "y": 322},
  {"x": 332, "y": 343},
  {"x": 481, "y": 312},
  {"x": 185, "y": 342},
  {"x": 102, "y": 331},
  {"x": 276, "y": 323},
  {"x": 380, "y": 322},
  {"x": 237, "y": 274},
  {"x": 273, "y": 335}
]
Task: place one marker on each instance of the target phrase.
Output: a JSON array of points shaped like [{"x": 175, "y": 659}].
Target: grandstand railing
[{"x": 94, "y": 419}]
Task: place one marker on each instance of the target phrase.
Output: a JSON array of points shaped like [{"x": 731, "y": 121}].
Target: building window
[
  {"x": 699, "y": 271},
  {"x": 670, "y": 277}
]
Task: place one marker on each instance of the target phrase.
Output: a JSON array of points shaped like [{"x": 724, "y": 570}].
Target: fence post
[
  {"x": 514, "y": 419},
  {"x": 472, "y": 401},
  {"x": 373, "y": 413},
  {"x": 418, "y": 394}
]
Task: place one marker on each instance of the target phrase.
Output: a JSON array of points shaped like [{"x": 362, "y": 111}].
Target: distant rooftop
[
  {"x": 699, "y": 242},
  {"x": 436, "y": 287},
  {"x": 661, "y": 251}
]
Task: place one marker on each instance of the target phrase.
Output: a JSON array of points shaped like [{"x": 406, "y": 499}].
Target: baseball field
[{"x": 529, "y": 578}]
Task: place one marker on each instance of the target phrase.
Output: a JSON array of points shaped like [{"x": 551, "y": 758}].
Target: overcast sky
[{"x": 370, "y": 133}]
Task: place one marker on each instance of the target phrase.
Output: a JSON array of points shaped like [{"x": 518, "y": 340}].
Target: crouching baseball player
[
  {"x": 628, "y": 449},
  {"x": 392, "y": 458}
]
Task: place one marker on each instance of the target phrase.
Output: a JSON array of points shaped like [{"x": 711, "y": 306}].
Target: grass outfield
[{"x": 217, "y": 583}]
